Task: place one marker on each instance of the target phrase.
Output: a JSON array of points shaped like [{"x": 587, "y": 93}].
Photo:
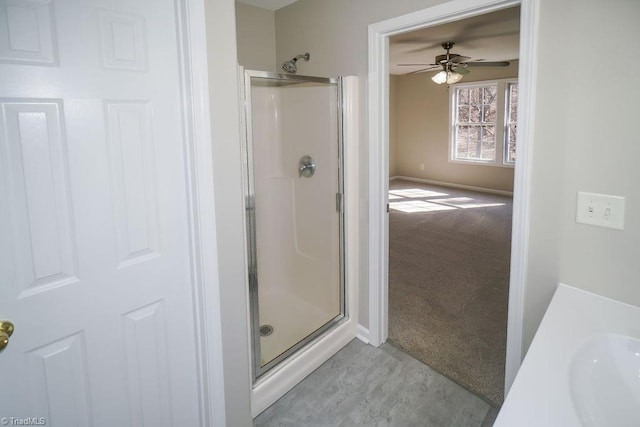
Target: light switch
[{"x": 602, "y": 210}]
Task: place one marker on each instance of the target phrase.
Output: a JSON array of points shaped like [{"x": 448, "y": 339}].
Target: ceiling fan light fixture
[{"x": 448, "y": 77}]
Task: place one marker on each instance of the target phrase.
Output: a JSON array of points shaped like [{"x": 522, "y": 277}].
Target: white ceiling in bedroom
[{"x": 490, "y": 37}]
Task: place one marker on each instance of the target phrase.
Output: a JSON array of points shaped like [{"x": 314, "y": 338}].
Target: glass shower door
[{"x": 294, "y": 205}]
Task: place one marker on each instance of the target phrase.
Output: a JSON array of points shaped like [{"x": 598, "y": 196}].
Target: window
[
  {"x": 511, "y": 123},
  {"x": 484, "y": 122}
]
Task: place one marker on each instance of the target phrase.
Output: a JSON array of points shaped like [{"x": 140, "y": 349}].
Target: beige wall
[
  {"x": 422, "y": 122},
  {"x": 581, "y": 139},
  {"x": 584, "y": 140},
  {"x": 256, "y": 37},
  {"x": 228, "y": 193}
]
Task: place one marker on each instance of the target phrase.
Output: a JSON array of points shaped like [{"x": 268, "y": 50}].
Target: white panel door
[{"x": 94, "y": 244}]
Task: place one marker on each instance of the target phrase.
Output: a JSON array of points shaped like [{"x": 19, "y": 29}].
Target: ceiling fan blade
[
  {"x": 458, "y": 59},
  {"x": 488, "y": 64},
  {"x": 424, "y": 70},
  {"x": 460, "y": 70},
  {"x": 413, "y": 65}
]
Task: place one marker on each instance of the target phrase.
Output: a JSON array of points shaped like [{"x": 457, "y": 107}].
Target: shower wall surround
[{"x": 297, "y": 225}]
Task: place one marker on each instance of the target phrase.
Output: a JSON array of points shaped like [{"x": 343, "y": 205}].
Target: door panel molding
[
  {"x": 59, "y": 380},
  {"x": 37, "y": 168}
]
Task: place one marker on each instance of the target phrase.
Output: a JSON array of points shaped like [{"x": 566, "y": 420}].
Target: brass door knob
[{"x": 6, "y": 329}]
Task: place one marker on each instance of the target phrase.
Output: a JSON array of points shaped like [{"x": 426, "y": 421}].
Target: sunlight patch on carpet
[
  {"x": 466, "y": 203},
  {"x": 416, "y": 192},
  {"x": 413, "y": 206}
]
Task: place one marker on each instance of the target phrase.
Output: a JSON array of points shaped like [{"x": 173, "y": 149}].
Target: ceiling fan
[{"x": 453, "y": 65}]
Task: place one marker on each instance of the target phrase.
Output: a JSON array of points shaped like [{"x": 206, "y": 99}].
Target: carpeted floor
[{"x": 449, "y": 254}]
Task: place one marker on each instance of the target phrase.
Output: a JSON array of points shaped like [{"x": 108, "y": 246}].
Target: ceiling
[
  {"x": 490, "y": 37},
  {"x": 268, "y": 4}
]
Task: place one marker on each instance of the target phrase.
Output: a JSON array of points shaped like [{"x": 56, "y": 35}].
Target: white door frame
[
  {"x": 378, "y": 127},
  {"x": 202, "y": 233}
]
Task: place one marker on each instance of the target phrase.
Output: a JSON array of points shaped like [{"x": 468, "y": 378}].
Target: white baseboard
[
  {"x": 452, "y": 185},
  {"x": 362, "y": 334}
]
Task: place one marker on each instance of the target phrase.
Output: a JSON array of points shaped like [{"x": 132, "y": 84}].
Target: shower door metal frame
[{"x": 259, "y": 371}]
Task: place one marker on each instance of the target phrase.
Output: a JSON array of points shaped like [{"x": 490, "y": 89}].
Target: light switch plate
[{"x": 602, "y": 210}]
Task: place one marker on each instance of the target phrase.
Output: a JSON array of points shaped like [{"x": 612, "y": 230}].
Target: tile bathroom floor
[{"x": 366, "y": 386}]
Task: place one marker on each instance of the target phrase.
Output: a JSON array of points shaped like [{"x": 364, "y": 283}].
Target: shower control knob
[{"x": 306, "y": 167}]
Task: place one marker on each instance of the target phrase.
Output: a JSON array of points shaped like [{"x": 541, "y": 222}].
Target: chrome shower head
[{"x": 290, "y": 65}]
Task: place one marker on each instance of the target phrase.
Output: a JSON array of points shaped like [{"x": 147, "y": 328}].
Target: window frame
[
  {"x": 501, "y": 134},
  {"x": 507, "y": 108}
]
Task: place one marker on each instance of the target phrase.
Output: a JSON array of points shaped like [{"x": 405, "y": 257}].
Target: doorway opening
[
  {"x": 451, "y": 164},
  {"x": 378, "y": 100}
]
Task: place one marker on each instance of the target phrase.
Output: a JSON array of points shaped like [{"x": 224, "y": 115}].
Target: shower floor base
[{"x": 292, "y": 319}]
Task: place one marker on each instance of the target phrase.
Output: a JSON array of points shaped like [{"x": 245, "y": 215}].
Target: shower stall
[{"x": 294, "y": 213}]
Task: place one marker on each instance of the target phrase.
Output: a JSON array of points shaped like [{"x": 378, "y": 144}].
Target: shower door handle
[{"x": 306, "y": 167}]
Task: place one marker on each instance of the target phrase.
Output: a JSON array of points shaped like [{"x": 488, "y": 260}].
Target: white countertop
[{"x": 541, "y": 392}]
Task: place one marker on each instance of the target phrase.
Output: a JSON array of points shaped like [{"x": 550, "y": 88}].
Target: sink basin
[
  {"x": 582, "y": 368},
  {"x": 604, "y": 381}
]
